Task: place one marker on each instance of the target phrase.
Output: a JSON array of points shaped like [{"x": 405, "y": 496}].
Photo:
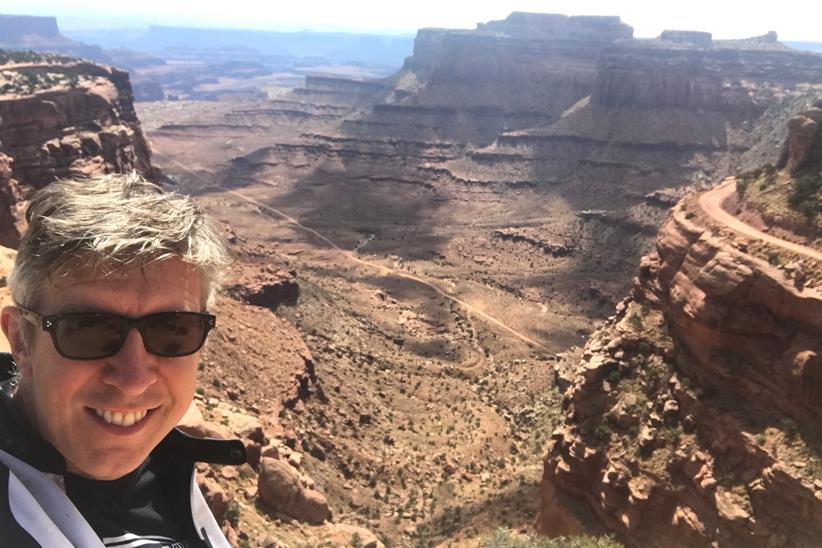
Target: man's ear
[{"x": 12, "y": 324}]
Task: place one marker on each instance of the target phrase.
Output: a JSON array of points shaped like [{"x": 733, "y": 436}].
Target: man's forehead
[
  {"x": 83, "y": 270},
  {"x": 164, "y": 281}
]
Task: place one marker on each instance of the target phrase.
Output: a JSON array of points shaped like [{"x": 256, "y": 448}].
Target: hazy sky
[{"x": 792, "y": 19}]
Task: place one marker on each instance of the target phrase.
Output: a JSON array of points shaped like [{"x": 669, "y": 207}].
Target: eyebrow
[{"x": 71, "y": 308}]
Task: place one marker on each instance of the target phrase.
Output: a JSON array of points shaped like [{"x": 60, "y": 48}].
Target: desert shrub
[
  {"x": 502, "y": 538},
  {"x": 751, "y": 175},
  {"x": 805, "y": 195},
  {"x": 635, "y": 319},
  {"x": 232, "y": 515},
  {"x": 602, "y": 432},
  {"x": 741, "y": 185},
  {"x": 790, "y": 429},
  {"x": 671, "y": 435},
  {"x": 7, "y": 56},
  {"x": 766, "y": 175},
  {"x": 773, "y": 258}
]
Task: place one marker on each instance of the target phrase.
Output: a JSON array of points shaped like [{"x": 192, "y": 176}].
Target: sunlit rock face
[
  {"x": 62, "y": 118},
  {"x": 804, "y": 144}
]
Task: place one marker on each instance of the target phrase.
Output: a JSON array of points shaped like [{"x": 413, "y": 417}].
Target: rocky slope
[
  {"x": 789, "y": 201},
  {"x": 61, "y": 118},
  {"x": 691, "y": 418}
]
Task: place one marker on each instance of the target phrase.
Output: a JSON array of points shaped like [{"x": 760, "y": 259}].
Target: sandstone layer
[{"x": 543, "y": 100}]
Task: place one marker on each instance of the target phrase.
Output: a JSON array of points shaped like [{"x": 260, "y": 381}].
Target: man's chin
[
  {"x": 114, "y": 451},
  {"x": 108, "y": 466}
]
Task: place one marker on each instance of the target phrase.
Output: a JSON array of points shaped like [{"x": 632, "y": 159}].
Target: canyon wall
[
  {"x": 548, "y": 99},
  {"x": 505, "y": 75},
  {"x": 62, "y": 119}
]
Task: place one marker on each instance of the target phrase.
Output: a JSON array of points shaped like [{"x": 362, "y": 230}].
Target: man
[{"x": 111, "y": 285}]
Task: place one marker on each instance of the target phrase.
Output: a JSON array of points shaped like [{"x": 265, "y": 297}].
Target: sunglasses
[{"x": 96, "y": 335}]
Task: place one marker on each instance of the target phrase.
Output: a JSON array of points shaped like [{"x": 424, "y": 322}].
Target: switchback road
[{"x": 711, "y": 203}]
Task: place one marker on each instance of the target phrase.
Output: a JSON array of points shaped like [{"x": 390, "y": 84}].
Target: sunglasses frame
[{"x": 49, "y": 323}]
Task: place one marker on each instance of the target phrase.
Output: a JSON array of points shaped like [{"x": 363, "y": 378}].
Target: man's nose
[{"x": 131, "y": 370}]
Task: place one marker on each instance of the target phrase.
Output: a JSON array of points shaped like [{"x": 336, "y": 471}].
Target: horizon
[{"x": 368, "y": 16}]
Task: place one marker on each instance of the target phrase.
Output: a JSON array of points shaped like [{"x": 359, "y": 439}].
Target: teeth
[{"x": 121, "y": 419}]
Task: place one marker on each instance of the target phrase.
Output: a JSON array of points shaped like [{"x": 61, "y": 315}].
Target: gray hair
[{"x": 113, "y": 222}]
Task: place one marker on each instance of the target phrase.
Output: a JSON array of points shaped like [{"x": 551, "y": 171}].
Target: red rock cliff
[
  {"x": 62, "y": 119},
  {"x": 692, "y": 418}
]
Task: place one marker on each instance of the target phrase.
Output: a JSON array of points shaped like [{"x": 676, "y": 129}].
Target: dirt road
[{"x": 711, "y": 203}]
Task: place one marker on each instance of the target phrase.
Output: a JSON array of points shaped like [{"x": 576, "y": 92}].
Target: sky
[{"x": 792, "y": 19}]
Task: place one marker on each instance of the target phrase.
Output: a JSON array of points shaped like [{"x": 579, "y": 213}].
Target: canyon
[{"x": 421, "y": 319}]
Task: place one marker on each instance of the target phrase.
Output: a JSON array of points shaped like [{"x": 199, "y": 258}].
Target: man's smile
[{"x": 122, "y": 419}]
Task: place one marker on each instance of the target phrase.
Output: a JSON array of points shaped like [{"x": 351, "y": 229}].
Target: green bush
[
  {"x": 7, "y": 56},
  {"x": 805, "y": 195},
  {"x": 232, "y": 515},
  {"x": 766, "y": 175},
  {"x": 790, "y": 429},
  {"x": 602, "y": 432}
]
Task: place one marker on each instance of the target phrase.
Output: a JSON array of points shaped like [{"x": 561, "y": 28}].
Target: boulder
[
  {"x": 280, "y": 486},
  {"x": 343, "y": 534},
  {"x": 194, "y": 424},
  {"x": 215, "y": 497},
  {"x": 244, "y": 426},
  {"x": 804, "y": 142}
]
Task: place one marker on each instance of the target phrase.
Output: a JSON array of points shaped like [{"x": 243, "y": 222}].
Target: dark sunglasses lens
[
  {"x": 88, "y": 336},
  {"x": 175, "y": 333}
]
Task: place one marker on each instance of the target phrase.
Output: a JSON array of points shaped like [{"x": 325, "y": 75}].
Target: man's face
[{"x": 74, "y": 404}]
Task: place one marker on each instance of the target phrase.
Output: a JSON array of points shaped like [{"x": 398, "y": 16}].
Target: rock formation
[
  {"x": 804, "y": 144},
  {"x": 62, "y": 118},
  {"x": 691, "y": 418},
  {"x": 539, "y": 98},
  {"x": 544, "y": 26},
  {"x": 273, "y": 478},
  {"x": 689, "y": 37},
  {"x": 505, "y": 75}
]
